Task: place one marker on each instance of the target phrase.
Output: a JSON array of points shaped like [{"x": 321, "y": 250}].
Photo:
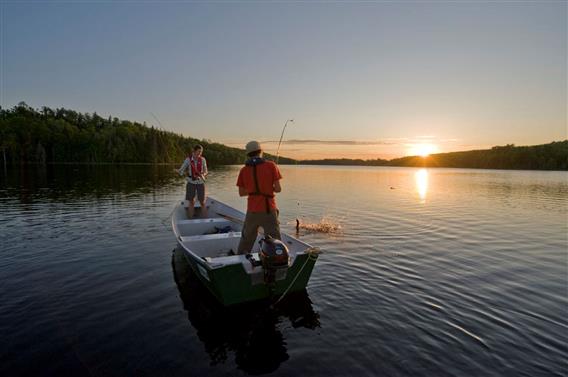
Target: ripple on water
[{"x": 463, "y": 276}]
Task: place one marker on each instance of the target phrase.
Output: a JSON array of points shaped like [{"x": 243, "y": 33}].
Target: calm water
[{"x": 438, "y": 272}]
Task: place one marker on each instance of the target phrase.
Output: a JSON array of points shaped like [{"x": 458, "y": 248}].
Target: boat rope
[{"x": 313, "y": 253}]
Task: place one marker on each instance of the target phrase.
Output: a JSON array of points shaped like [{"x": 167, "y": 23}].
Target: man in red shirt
[{"x": 259, "y": 179}]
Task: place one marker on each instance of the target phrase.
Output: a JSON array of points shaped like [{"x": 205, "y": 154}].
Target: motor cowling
[{"x": 274, "y": 256}]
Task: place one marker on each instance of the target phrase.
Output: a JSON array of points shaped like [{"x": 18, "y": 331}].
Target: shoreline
[{"x": 282, "y": 164}]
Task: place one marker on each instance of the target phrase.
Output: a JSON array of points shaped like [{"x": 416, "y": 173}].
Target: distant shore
[
  {"x": 62, "y": 136},
  {"x": 299, "y": 163}
]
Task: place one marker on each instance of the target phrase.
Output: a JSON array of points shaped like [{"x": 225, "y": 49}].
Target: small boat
[{"x": 209, "y": 242}]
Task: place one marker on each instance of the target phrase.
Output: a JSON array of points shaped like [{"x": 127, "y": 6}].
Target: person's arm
[
  {"x": 241, "y": 184},
  {"x": 205, "y": 171},
  {"x": 276, "y": 186},
  {"x": 277, "y": 177},
  {"x": 183, "y": 166}
]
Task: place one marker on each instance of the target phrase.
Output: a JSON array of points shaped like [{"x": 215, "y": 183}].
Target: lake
[{"x": 434, "y": 272}]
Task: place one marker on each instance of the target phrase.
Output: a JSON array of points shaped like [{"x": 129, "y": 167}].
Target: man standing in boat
[
  {"x": 195, "y": 169},
  {"x": 259, "y": 179}
]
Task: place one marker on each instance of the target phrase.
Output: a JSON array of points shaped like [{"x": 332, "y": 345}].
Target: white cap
[{"x": 253, "y": 146}]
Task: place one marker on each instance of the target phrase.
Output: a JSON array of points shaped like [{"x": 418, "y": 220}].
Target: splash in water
[{"x": 325, "y": 225}]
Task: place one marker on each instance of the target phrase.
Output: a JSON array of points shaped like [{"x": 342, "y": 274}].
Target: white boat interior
[{"x": 213, "y": 235}]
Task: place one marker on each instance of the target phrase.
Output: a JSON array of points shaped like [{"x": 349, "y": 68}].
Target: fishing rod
[
  {"x": 281, "y": 136},
  {"x": 277, "y": 158},
  {"x": 160, "y": 123}
]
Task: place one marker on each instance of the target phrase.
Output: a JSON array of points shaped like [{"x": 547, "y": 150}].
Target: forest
[
  {"x": 45, "y": 135},
  {"x": 39, "y": 136}
]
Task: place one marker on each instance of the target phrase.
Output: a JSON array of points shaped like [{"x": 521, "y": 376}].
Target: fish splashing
[{"x": 326, "y": 225}]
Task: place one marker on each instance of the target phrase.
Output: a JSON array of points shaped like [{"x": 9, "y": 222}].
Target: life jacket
[
  {"x": 254, "y": 162},
  {"x": 195, "y": 169}
]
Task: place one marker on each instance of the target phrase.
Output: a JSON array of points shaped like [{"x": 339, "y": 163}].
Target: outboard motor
[{"x": 274, "y": 257}]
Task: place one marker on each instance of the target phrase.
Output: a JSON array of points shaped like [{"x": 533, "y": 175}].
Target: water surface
[{"x": 437, "y": 272}]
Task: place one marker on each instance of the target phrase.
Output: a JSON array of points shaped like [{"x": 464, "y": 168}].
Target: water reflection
[
  {"x": 251, "y": 331},
  {"x": 62, "y": 183},
  {"x": 421, "y": 178}
]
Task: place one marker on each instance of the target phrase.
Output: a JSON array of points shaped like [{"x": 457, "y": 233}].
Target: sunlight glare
[
  {"x": 421, "y": 177},
  {"x": 423, "y": 150}
]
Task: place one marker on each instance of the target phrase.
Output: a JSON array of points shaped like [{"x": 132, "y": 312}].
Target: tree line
[
  {"x": 45, "y": 135},
  {"x": 551, "y": 156}
]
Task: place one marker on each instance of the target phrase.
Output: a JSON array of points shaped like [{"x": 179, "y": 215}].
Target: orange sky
[{"x": 353, "y": 149}]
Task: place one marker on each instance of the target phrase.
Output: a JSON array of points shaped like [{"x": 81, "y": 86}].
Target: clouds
[
  {"x": 331, "y": 142},
  {"x": 363, "y": 149},
  {"x": 385, "y": 142}
]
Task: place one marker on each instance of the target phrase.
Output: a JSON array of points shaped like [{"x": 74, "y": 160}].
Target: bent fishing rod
[{"x": 281, "y": 136}]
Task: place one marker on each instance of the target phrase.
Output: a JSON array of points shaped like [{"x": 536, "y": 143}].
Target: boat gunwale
[{"x": 241, "y": 258}]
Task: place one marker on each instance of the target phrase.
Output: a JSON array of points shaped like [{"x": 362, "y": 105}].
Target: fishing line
[
  {"x": 278, "y": 155},
  {"x": 163, "y": 221}
]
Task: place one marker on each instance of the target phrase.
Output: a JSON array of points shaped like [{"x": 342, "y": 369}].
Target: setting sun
[{"x": 423, "y": 150}]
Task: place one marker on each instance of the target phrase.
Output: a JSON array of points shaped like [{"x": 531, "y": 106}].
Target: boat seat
[
  {"x": 212, "y": 220},
  {"x": 205, "y": 237}
]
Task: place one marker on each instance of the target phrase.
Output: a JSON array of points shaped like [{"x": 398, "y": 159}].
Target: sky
[{"x": 377, "y": 79}]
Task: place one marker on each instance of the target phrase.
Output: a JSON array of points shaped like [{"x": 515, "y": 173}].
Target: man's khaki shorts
[{"x": 253, "y": 220}]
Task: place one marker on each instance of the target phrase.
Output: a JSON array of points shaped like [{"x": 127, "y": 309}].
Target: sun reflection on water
[{"x": 421, "y": 177}]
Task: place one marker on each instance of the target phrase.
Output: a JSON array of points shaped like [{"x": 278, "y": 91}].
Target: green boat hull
[{"x": 232, "y": 285}]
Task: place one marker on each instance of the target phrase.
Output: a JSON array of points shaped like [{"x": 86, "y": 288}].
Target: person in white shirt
[{"x": 194, "y": 167}]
